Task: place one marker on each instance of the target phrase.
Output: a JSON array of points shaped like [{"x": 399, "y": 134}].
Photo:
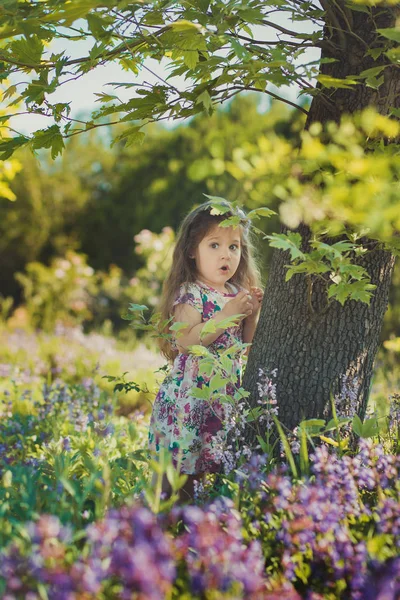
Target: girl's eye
[{"x": 215, "y": 244}]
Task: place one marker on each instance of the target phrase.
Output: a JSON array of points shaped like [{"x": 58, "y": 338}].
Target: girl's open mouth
[{"x": 224, "y": 268}]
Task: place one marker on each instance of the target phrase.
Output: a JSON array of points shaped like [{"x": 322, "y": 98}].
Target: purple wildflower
[{"x": 383, "y": 582}]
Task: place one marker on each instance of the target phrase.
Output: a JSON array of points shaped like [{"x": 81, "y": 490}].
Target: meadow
[
  {"x": 80, "y": 520},
  {"x": 308, "y": 514}
]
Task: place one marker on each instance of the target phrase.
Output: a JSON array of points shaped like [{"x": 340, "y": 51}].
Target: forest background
[{"x": 93, "y": 230}]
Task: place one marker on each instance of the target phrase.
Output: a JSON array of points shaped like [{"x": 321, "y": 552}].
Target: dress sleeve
[{"x": 190, "y": 294}]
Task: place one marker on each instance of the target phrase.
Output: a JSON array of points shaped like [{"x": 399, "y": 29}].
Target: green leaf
[
  {"x": 312, "y": 426},
  {"x": 217, "y": 382},
  {"x": 9, "y": 92},
  {"x": 205, "y": 100},
  {"x": 336, "y": 249},
  {"x": 190, "y": 58},
  {"x": 178, "y": 326},
  {"x": 184, "y": 25},
  {"x": 226, "y": 363},
  {"x": 218, "y": 207},
  {"x": 200, "y": 393},
  {"x": 357, "y": 7},
  {"x": 28, "y": 50},
  {"x": 307, "y": 266},
  {"x": 333, "y": 82},
  {"x": 263, "y": 444},
  {"x": 9, "y": 145},
  {"x": 49, "y": 138},
  {"x": 205, "y": 368},
  {"x": 393, "y": 55},
  {"x": 391, "y": 33},
  {"x": 240, "y": 50},
  {"x": 42, "y": 591},
  {"x": 260, "y": 212},
  {"x": 373, "y": 71},
  {"x": 250, "y": 15},
  {"x": 130, "y": 135},
  {"x": 304, "y": 458},
  {"x": 370, "y": 428},
  {"x": 96, "y": 25},
  {"x": 335, "y": 424},
  {"x": 68, "y": 486},
  {"x": 137, "y": 307},
  {"x": 286, "y": 446},
  {"x": 254, "y": 414},
  {"x": 229, "y": 321},
  {"x": 341, "y": 291},
  {"x": 363, "y": 295},
  {"x": 209, "y": 326},
  {"x": 198, "y": 350},
  {"x": 72, "y": 11},
  {"x": 357, "y": 425},
  {"x": 290, "y": 242},
  {"x": 233, "y": 221}
]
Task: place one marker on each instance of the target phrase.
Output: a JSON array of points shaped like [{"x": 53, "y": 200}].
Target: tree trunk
[{"x": 313, "y": 345}]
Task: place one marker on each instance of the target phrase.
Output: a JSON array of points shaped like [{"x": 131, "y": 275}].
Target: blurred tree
[
  {"x": 95, "y": 199},
  {"x": 159, "y": 181}
]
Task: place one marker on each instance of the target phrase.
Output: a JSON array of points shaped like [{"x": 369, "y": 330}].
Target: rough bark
[{"x": 311, "y": 344}]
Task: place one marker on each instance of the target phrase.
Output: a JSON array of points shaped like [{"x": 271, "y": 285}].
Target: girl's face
[{"x": 217, "y": 256}]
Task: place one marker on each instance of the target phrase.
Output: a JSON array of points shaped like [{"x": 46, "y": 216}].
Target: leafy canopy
[{"x": 220, "y": 48}]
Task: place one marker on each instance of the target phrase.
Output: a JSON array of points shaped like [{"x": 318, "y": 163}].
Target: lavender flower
[
  {"x": 213, "y": 551},
  {"x": 388, "y": 519},
  {"x": 346, "y": 402},
  {"x": 140, "y": 555},
  {"x": 268, "y": 401},
  {"x": 66, "y": 444},
  {"x": 126, "y": 547},
  {"x": 383, "y": 583},
  {"x": 228, "y": 446}
]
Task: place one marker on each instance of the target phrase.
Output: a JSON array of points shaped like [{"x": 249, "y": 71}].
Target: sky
[{"x": 81, "y": 93}]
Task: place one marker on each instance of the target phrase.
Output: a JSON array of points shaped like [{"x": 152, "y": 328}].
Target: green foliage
[
  {"x": 156, "y": 252},
  {"x": 70, "y": 455},
  {"x": 58, "y": 293},
  {"x": 68, "y": 355},
  {"x": 218, "y": 61},
  {"x": 75, "y": 476},
  {"x": 78, "y": 202},
  {"x": 68, "y": 292},
  {"x": 212, "y": 47}
]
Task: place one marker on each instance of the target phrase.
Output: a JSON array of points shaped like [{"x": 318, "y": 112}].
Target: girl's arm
[
  {"x": 191, "y": 334},
  {"x": 250, "y": 322},
  {"x": 188, "y": 314},
  {"x": 249, "y": 327}
]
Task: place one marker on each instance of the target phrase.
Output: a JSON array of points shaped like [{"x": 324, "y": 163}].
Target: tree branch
[
  {"x": 283, "y": 29},
  {"x": 79, "y": 61},
  {"x": 253, "y": 89},
  {"x": 270, "y": 43}
]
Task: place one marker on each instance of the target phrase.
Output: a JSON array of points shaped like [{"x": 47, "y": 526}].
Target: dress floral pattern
[{"x": 186, "y": 425}]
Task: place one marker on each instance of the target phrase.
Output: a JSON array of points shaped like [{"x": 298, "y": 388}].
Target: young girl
[{"x": 213, "y": 276}]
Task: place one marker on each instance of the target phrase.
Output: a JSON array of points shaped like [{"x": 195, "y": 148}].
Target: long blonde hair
[{"x": 193, "y": 228}]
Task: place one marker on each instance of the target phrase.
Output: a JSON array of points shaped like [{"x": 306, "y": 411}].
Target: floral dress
[{"x": 189, "y": 427}]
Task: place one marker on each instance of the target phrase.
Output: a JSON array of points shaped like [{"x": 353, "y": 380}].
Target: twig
[{"x": 250, "y": 88}]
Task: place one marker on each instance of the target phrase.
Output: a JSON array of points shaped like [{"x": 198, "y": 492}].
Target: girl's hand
[
  {"x": 242, "y": 303},
  {"x": 257, "y": 296}
]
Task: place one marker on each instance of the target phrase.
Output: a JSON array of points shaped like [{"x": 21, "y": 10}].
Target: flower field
[{"x": 79, "y": 519}]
